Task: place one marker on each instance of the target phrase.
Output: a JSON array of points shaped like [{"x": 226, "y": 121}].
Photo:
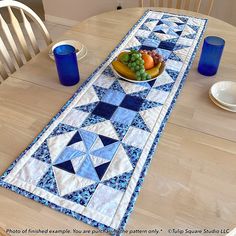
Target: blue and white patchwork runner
[{"x": 90, "y": 160}]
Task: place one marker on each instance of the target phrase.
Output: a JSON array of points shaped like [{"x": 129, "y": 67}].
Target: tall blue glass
[
  {"x": 211, "y": 55},
  {"x": 67, "y": 66}
]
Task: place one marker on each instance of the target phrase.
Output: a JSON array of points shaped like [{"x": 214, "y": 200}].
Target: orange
[{"x": 148, "y": 61}]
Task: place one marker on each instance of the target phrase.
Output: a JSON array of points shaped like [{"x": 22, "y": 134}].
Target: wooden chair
[
  {"x": 194, "y": 5},
  {"x": 16, "y": 39}
]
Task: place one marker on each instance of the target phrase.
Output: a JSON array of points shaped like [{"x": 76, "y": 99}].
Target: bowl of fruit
[{"x": 138, "y": 66}]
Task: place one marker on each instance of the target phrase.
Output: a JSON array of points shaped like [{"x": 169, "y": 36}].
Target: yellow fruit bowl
[{"x": 122, "y": 71}]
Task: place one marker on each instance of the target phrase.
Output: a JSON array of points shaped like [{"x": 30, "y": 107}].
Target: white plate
[
  {"x": 81, "y": 49},
  {"x": 221, "y": 105},
  {"x": 225, "y": 93},
  {"x": 83, "y": 53},
  {"x": 137, "y": 81}
]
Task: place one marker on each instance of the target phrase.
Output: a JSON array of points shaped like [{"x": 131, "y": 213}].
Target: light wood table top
[{"x": 192, "y": 179}]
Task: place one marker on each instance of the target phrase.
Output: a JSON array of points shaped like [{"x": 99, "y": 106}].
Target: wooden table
[{"x": 192, "y": 179}]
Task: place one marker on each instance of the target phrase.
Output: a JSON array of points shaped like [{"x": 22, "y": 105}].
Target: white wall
[
  {"x": 36, "y": 5},
  {"x": 77, "y": 10},
  {"x": 224, "y": 9},
  {"x": 233, "y": 13}
]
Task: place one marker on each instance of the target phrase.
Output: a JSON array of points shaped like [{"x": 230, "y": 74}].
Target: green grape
[
  {"x": 137, "y": 68},
  {"x": 145, "y": 76},
  {"x": 149, "y": 77},
  {"x": 134, "y": 64},
  {"x": 132, "y": 68},
  {"x": 142, "y": 71},
  {"x": 125, "y": 58},
  {"x": 133, "y": 59},
  {"x": 141, "y": 61},
  {"x": 138, "y": 78}
]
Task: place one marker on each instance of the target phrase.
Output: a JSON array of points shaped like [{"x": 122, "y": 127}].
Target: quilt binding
[{"x": 104, "y": 228}]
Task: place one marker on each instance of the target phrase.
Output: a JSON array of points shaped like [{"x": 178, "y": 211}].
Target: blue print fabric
[{"x": 90, "y": 160}]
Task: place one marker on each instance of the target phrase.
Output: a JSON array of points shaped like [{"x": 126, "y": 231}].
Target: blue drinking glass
[
  {"x": 67, "y": 66},
  {"x": 211, "y": 55}
]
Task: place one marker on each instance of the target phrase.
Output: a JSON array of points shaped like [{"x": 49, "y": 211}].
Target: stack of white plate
[
  {"x": 223, "y": 94},
  {"x": 81, "y": 50}
]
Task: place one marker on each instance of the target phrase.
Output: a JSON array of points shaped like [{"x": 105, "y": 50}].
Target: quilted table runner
[{"x": 90, "y": 160}]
